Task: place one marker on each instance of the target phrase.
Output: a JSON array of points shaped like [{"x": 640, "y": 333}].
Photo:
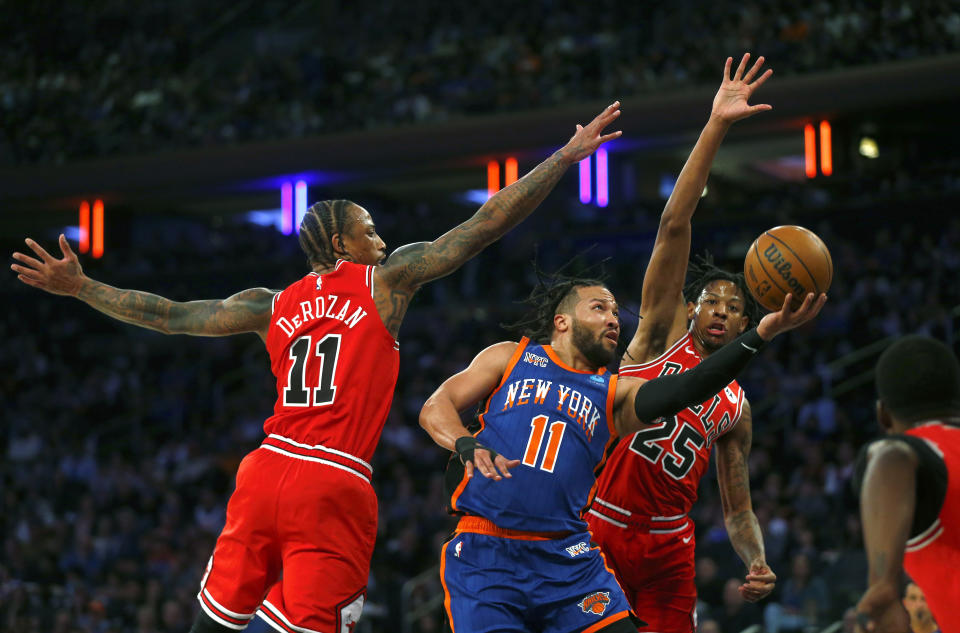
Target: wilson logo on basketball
[
  {"x": 782, "y": 266},
  {"x": 595, "y": 603}
]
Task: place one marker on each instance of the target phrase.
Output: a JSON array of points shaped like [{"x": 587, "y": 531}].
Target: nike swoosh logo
[{"x": 687, "y": 539}]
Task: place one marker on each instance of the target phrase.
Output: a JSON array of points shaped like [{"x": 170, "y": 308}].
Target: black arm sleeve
[{"x": 667, "y": 395}]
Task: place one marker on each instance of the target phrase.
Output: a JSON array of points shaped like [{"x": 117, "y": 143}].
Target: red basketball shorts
[
  {"x": 296, "y": 545},
  {"x": 654, "y": 564}
]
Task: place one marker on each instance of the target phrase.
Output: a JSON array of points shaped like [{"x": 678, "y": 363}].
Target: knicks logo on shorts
[{"x": 595, "y": 603}]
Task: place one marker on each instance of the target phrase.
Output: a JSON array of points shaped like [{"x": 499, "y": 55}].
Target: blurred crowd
[
  {"x": 108, "y": 77},
  {"x": 120, "y": 445}
]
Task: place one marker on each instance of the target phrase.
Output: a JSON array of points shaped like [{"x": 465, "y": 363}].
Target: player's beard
[{"x": 591, "y": 347}]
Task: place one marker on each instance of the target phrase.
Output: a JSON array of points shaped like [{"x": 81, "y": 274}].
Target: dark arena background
[{"x": 177, "y": 143}]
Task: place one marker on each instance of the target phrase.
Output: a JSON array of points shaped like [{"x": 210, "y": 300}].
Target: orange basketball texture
[{"x": 787, "y": 259}]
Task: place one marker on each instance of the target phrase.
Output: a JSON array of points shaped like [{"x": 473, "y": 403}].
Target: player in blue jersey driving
[{"x": 521, "y": 557}]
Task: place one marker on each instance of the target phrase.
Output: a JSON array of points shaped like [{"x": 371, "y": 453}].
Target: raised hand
[
  {"x": 730, "y": 104},
  {"x": 58, "y": 276},
  {"x": 587, "y": 139},
  {"x": 788, "y": 318}
]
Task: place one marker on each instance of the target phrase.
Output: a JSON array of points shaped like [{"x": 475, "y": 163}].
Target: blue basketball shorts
[{"x": 497, "y": 583}]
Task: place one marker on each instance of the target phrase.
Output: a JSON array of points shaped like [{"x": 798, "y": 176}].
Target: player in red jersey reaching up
[
  {"x": 909, "y": 485},
  {"x": 302, "y": 521},
  {"x": 649, "y": 484}
]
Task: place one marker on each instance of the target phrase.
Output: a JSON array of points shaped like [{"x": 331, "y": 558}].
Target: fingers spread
[
  {"x": 26, "y": 259},
  {"x": 65, "y": 246},
  {"x": 36, "y": 248},
  {"x": 741, "y": 67},
  {"x": 753, "y": 70},
  {"x": 759, "y": 82}
]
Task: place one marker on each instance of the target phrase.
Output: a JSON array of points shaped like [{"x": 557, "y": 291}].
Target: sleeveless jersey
[
  {"x": 933, "y": 556},
  {"x": 656, "y": 472},
  {"x": 336, "y": 367},
  {"x": 559, "y": 422}
]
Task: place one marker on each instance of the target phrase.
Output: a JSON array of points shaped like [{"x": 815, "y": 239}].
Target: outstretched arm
[
  {"x": 440, "y": 416},
  {"x": 639, "y": 402},
  {"x": 887, "y": 503},
  {"x": 406, "y": 271},
  {"x": 662, "y": 306},
  {"x": 733, "y": 450},
  {"x": 246, "y": 311}
]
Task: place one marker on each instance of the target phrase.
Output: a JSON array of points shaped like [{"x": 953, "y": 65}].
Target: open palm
[{"x": 732, "y": 100}]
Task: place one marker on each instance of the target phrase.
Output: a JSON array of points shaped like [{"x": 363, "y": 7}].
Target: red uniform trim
[
  {"x": 630, "y": 370},
  {"x": 320, "y": 454}
]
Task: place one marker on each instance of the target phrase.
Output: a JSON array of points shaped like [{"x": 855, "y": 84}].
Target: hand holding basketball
[{"x": 787, "y": 260}]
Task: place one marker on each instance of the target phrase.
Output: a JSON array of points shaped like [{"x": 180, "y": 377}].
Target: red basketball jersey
[
  {"x": 656, "y": 472},
  {"x": 336, "y": 367},
  {"x": 933, "y": 556}
]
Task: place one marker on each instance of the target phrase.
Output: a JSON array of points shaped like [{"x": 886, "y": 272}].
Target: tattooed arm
[
  {"x": 247, "y": 311},
  {"x": 412, "y": 266},
  {"x": 733, "y": 449},
  {"x": 887, "y": 503}
]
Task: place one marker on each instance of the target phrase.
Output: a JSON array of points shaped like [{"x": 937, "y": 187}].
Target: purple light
[
  {"x": 602, "y": 198},
  {"x": 286, "y": 208},
  {"x": 585, "y": 194},
  {"x": 301, "y": 202}
]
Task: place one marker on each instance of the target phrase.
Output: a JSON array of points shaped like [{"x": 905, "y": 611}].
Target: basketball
[{"x": 787, "y": 259}]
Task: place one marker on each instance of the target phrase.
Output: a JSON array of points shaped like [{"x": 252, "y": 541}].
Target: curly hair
[
  {"x": 551, "y": 295},
  {"x": 321, "y": 222},
  {"x": 702, "y": 271}
]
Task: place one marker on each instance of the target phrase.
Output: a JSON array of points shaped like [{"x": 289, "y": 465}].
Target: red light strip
[
  {"x": 84, "y": 227},
  {"x": 810, "y": 150},
  {"x": 493, "y": 177},
  {"x": 510, "y": 172},
  {"x": 97, "y": 249},
  {"x": 826, "y": 149}
]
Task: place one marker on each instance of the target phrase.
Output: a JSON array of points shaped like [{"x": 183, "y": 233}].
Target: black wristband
[{"x": 466, "y": 445}]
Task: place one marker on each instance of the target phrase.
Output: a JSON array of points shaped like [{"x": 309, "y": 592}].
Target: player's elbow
[{"x": 428, "y": 415}]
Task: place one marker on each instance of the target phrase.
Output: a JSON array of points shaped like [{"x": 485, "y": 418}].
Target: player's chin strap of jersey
[
  {"x": 667, "y": 395},
  {"x": 465, "y": 446}
]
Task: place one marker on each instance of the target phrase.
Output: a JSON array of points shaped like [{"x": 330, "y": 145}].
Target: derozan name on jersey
[{"x": 321, "y": 308}]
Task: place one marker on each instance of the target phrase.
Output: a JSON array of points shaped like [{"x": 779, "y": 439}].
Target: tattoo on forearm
[
  {"x": 248, "y": 310},
  {"x": 139, "y": 308},
  {"x": 498, "y": 215}
]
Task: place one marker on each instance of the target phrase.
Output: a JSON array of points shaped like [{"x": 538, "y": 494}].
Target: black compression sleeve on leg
[
  {"x": 205, "y": 624},
  {"x": 667, "y": 395}
]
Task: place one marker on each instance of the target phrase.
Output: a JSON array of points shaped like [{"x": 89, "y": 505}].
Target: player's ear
[
  {"x": 884, "y": 417},
  {"x": 336, "y": 241},
  {"x": 744, "y": 322},
  {"x": 691, "y": 310},
  {"x": 561, "y": 322}
]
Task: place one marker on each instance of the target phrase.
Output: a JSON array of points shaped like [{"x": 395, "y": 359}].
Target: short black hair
[
  {"x": 320, "y": 223},
  {"x": 701, "y": 272},
  {"x": 918, "y": 378},
  {"x": 549, "y": 292}
]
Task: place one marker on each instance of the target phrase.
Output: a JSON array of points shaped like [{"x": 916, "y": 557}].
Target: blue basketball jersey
[{"x": 559, "y": 422}]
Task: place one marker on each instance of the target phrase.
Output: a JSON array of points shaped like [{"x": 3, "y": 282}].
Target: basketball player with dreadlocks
[
  {"x": 521, "y": 558},
  {"x": 302, "y": 521},
  {"x": 639, "y": 516}
]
